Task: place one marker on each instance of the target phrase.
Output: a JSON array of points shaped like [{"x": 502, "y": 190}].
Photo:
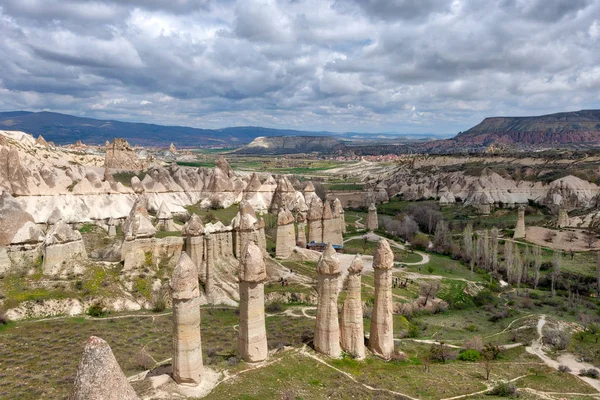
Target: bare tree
[
  {"x": 555, "y": 271},
  {"x": 549, "y": 236},
  {"x": 441, "y": 237},
  {"x": 537, "y": 264},
  {"x": 494, "y": 237},
  {"x": 485, "y": 250},
  {"x": 487, "y": 364},
  {"x": 428, "y": 289},
  {"x": 598, "y": 276},
  {"x": 525, "y": 262},
  {"x": 468, "y": 242},
  {"x": 571, "y": 236},
  {"x": 590, "y": 239},
  {"x": 408, "y": 228},
  {"x": 509, "y": 259},
  {"x": 479, "y": 249},
  {"x": 518, "y": 268}
]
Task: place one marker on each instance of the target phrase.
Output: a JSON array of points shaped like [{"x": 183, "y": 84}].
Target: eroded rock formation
[
  {"x": 193, "y": 231},
  {"x": 327, "y": 330},
  {"x": 381, "y": 339},
  {"x": 120, "y": 155},
  {"x": 372, "y": 222},
  {"x": 351, "y": 320},
  {"x": 315, "y": 220},
  {"x": 99, "y": 376},
  {"x": 187, "y": 342},
  {"x": 286, "y": 235},
  {"x": 520, "y": 227},
  {"x": 62, "y": 244},
  {"x": 252, "y": 336}
]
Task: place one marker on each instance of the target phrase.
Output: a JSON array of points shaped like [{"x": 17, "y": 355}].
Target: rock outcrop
[
  {"x": 99, "y": 376},
  {"x": 187, "y": 342},
  {"x": 520, "y": 228},
  {"x": 62, "y": 244},
  {"x": 252, "y": 336},
  {"x": 327, "y": 330},
  {"x": 372, "y": 222},
  {"x": 338, "y": 214},
  {"x": 381, "y": 339},
  {"x": 286, "y": 235},
  {"x": 120, "y": 155},
  {"x": 12, "y": 218},
  {"x": 563, "y": 218},
  {"x": 164, "y": 219},
  {"x": 351, "y": 320}
]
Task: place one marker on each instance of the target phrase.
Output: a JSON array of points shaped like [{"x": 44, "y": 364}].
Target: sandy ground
[{"x": 536, "y": 234}]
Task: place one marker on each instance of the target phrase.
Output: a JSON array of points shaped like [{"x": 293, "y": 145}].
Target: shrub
[
  {"x": 474, "y": 343},
  {"x": 504, "y": 389},
  {"x": 97, "y": 310},
  {"x": 420, "y": 241},
  {"x": 144, "y": 360},
  {"x": 484, "y": 297},
  {"x": 3, "y": 317},
  {"x": 274, "y": 307},
  {"x": 440, "y": 352},
  {"x": 160, "y": 304},
  {"x": 590, "y": 373},
  {"x": 469, "y": 355},
  {"x": 233, "y": 361},
  {"x": 557, "y": 338},
  {"x": 472, "y": 328},
  {"x": 563, "y": 368}
]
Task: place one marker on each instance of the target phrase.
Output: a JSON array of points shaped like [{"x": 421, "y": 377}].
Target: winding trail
[
  {"x": 565, "y": 358},
  {"x": 373, "y": 237}
]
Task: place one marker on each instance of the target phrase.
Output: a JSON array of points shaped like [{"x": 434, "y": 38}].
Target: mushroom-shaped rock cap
[
  {"x": 309, "y": 187},
  {"x": 337, "y": 207},
  {"x": 193, "y": 227},
  {"x": 254, "y": 183},
  {"x": 284, "y": 217},
  {"x": 252, "y": 265},
  {"x": 315, "y": 211},
  {"x": 184, "y": 282},
  {"x": 372, "y": 207},
  {"x": 329, "y": 263},
  {"x": 357, "y": 265},
  {"x": 301, "y": 217},
  {"x": 99, "y": 376},
  {"x": 384, "y": 256},
  {"x": 164, "y": 212},
  {"x": 261, "y": 223},
  {"x": 247, "y": 209}
]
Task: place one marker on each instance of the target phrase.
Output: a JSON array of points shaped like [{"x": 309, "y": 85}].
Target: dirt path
[
  {"x": 565, "y": 358},
  {"x": 373, "y": 237}
]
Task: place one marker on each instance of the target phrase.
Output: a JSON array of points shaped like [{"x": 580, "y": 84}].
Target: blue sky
[{"x": 407, "y": 66}]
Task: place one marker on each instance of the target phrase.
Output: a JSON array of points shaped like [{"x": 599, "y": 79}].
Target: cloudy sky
[{"x": 408, "y": 66}]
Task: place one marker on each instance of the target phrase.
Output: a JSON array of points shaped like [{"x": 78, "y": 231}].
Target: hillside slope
[{"x": 292, "y": 144}]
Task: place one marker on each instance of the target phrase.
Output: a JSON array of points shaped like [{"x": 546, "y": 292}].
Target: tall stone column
[
  {"x": 338, "y": 213},
  {"x": 194, "y": 243},
  {"x": 210, "y": 267},
  {"x": 286, "y": 237},
  {"x": 327, "y": 331},
  {"x": 187, "y": 343},
  {"x": 520, "y": 228},
  {"x": 330, "y": 226},
  {"x": 372, "y": 222},
  {"x": 381, "y": 340},
  {"x": 301, "y": 237},
  {"x": 315, "y": 221},
  {"x": 563, "y": 217},
  {"x": 351, "y": 320},
  {"x": 252, "y": 333}
]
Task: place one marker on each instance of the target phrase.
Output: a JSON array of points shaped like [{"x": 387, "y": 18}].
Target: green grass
[
  {"x": 164, "y": 234},
  {"x": 125, "y": 177},
  {"x": 446, "y": 267},
  {"x": 225, "y": 215}
]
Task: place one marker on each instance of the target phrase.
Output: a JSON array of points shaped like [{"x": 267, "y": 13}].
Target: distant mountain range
[
  {"x": 565, "y": 129},
  {"x": 64, "y": 129}
]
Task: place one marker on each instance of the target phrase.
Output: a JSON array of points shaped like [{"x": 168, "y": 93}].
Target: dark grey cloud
[{"x": 350, "y": 65}]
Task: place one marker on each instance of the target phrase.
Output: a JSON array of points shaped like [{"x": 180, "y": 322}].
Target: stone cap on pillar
[
  {"x": 329, "y": 263},
  {"x": 357, "y": 265},
  {"x": 184, "y": 282},
  {"x": 193, "y": 227},
  {"x": 252, "y": 265},
  {"x": 384, "y": 256}
]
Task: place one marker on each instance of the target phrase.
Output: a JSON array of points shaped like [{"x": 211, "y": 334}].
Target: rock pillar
[
  {"x": 327, "y": 331},
  {"x": 252, "y": 337},
  {"x": 99, "y": 376},
  {"x": 262, "y": 238},
  {"x": 338, "y": 214},
  {"x": 210, "y": 267},
  {"x": 315, "y": 221},
  {"x": 520, "y": 228},
  {"x": 187, "y": 343},
  {"x": 194, "y": 243},
  {"x": 563, "y": 218},
  {"x": 286, "y": 237},
  {"x": 301, "y": 224},
  {"x": 381, "y": 339},
  {"x": 372, "y": 223},
  {"x": 351, "y": 320},
  {"x": 330, "y": 226}
]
